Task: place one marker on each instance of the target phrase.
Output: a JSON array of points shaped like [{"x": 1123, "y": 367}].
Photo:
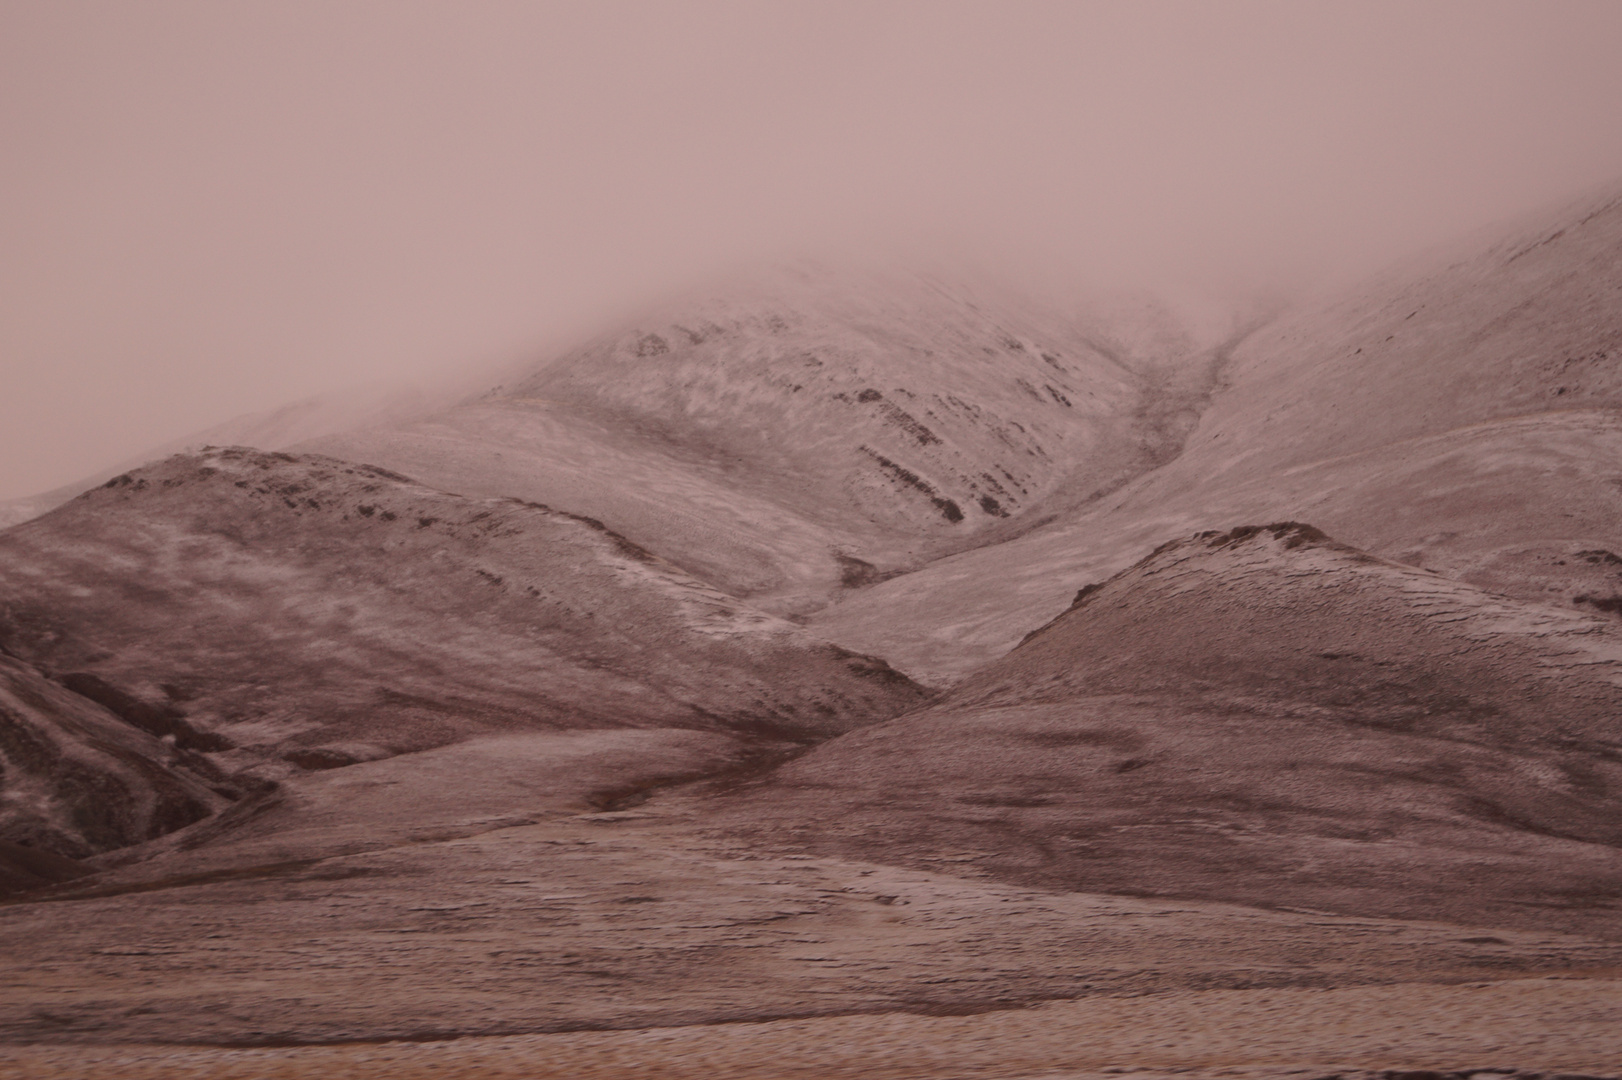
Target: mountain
[
  {"x": 808, "y": 433},
  {"x": 1459, "y": 413},
  {"x": 284, "y": 613},
  {"x": 847, "y": 643},
  {"x": 1264, "y": 716}
]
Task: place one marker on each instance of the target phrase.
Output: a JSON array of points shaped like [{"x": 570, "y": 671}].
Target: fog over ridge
[{"x": 208, "y": 212}]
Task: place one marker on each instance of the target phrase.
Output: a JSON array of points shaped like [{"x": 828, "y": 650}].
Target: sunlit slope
[
  {"x": 1264, "y": 716},
  {"x": 1462, "y": 415},
  {"x": 306, "y": 613},
  {"x": 776, "y": 439},
  {"x": 727, "y": 529}
]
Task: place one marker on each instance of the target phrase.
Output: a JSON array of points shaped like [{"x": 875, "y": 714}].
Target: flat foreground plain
[
  {"x": 424, "y": 960},
  {"x": 1570, "y": 1025}
]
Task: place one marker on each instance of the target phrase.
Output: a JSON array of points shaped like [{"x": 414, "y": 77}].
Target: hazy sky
[{"x": 211, "y": 208}]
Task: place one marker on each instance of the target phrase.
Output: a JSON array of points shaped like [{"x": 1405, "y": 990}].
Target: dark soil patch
[
  {"x": 155, "y": 720},
  {"x": 1611, "y": 605}
]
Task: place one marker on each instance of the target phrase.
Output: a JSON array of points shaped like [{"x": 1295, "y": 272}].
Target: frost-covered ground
[{"x": 675, "y": 708}]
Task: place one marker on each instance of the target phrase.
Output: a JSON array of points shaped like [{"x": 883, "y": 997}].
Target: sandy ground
[{"x": 1563, "y": 1025}]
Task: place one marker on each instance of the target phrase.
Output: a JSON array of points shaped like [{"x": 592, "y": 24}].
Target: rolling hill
[
  {"x": 284, "y": 614},
  {"x": 1264, "y": 716},
  {"x": 850, "y": 643}
]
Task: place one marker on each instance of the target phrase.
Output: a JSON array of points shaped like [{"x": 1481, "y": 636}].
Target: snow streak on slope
[
  {"x": 809, "y": 434},
  {"x": 1460, "y": 416}
]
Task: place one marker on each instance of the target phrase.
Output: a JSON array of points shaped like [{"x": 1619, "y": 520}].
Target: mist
[{"x": 213, "y": 209}]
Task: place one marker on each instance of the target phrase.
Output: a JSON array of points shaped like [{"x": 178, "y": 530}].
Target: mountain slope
[
  {"x": 1459, "y": 413},
  {"x": 1263, "y": 716},
  {"x": 300, "y": 613},
  {"x": 977, "y": 412},
  {"x": 1527, "y": 324},
  {"x": 809, "y": 434}
]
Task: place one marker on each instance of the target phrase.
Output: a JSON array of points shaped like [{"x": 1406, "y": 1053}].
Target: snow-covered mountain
[
  {"x": 1459, "y": 413},
  {"x": 806, "y": 431},
  {"x": 842, "y": 611}
]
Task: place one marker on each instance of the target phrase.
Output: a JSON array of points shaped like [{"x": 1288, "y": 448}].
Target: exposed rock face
[
  {"x": 75, "y": 779},
  {"x": 284, "y": 613},
  {"x": 1261, "y": 715}
]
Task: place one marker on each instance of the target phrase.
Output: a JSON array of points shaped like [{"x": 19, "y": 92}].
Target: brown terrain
[{"x": 859, "y": 678}]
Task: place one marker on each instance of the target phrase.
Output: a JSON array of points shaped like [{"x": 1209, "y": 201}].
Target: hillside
[
  {"x": 1322, "y": 736},
  {"x": 1263, "y": 716},
  {"x": 834, "y": 646},
  {"x": 282, "y": 614},
  {"x": 77, "y": 779},
  {"x": 808, "y": 434},
  {"x": 1460, "y": 413}
]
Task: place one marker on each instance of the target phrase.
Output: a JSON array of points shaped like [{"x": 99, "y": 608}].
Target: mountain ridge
[
  {"x": 702, "y": 675},
  {"x": 810, "y": 421}
]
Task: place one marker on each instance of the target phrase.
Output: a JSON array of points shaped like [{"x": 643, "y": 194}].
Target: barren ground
[{"x": 698, "y": 956}]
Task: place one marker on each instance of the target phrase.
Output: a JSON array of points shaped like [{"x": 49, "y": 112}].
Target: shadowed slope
[
  {"x": 23, "y": 868},
  {"x": 303, "y": 613},
  {"x": 1269, "y": 717},
  {"x": 76, "y": 780}
]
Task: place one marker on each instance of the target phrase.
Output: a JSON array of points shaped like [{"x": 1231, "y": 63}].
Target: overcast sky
[{"x": 211, "y": 208}]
